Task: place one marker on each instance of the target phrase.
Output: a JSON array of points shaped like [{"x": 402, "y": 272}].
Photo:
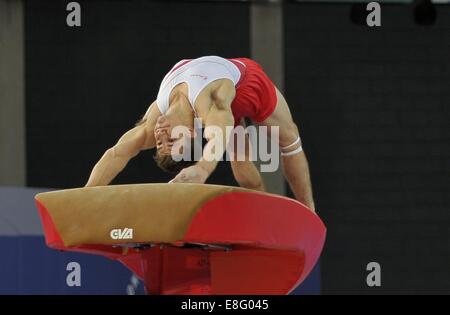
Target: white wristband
[
  {"x": 298, "y": 150},
  {"x": 292, "y": 144}
]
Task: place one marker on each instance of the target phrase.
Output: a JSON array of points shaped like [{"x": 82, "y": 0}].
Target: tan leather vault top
[{"x": 156, "y": 212}]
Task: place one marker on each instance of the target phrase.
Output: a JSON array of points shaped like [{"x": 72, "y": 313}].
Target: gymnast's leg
[{"x": 294, "y": 162}]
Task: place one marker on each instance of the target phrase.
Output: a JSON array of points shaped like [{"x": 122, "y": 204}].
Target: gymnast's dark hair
[
  {"x": 168, "y": 165},
  {"x": 165, "y": 162}
]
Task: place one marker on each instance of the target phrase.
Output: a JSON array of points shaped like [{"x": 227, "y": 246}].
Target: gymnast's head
[
  {"x": 174, "y": 135},
  {"x": 168, "y": 163}
]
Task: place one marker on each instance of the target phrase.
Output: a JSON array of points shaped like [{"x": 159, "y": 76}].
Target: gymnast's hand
[{"x": 191, "y": 174}]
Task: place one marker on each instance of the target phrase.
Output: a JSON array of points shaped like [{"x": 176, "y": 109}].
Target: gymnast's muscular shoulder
[{"x": 219, "y": 93}]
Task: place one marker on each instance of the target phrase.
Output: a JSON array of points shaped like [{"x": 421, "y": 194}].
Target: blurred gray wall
[
  {"x": 12, "y": 98},
  {"x": 266, "y": 45},
  {"x": 18, "y": 212}
]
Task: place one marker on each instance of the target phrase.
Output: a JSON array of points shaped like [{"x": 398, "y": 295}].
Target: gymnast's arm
[
  {"x": 244, "y": 170},
  {"x": 218, "y": 117},
  {"x": 129, "y": 145}
]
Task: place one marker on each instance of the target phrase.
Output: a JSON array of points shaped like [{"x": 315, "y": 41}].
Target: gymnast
[{"x": 221, "y": 92}]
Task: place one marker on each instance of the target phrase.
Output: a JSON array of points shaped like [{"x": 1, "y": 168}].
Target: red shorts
[{"x": 256, "y": 96}]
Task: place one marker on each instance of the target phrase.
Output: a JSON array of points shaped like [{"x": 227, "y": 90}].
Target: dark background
[
  {"x": 87, "y": 86},
  {"x": 371, "y": 103},
  {"x": 373, "y": 109}
]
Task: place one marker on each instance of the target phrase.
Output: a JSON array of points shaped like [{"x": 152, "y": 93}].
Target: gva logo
[{"x": 121, "y": 234}]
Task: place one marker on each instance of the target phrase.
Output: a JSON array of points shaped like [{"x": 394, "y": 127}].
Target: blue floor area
[
  {"x": 311, "y": 285},
  {"x": 28, "y": 266}
]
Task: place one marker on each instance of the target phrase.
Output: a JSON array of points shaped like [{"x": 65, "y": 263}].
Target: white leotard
[{"x": 197, "y": 74}]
